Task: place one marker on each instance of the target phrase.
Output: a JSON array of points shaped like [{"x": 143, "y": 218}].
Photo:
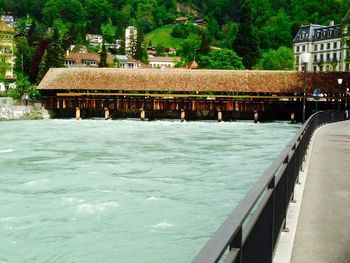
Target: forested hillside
[{"x": 254, "y": 30}]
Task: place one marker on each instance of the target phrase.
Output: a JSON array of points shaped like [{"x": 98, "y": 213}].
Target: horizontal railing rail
[{"x": 251, "y": 231}]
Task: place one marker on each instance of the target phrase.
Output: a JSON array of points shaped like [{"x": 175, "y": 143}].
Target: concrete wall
[{"x": 8, "y": 109}]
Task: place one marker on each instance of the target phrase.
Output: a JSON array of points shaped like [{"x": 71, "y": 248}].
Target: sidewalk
[{"x": 323, "y": 231}]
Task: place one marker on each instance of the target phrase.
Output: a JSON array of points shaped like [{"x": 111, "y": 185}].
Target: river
[{"x": 125, "y": 190}]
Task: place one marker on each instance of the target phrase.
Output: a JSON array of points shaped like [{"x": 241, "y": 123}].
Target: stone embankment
[{"x": 10, "y": 111}]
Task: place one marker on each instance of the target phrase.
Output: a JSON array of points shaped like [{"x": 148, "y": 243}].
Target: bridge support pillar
[
  {"x": 219, "y": 116},
  {"x": 182, "y": 115},
  {"x": 77, "y": 113},
  {"x": 142, "y": 114},
  {"x": 106, "y": 113},
  {"x": 292, "y": 117},
  {"x": 256, "y": 116}
]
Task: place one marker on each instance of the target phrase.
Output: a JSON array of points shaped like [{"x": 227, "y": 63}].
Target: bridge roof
[{"x": 181, "y": 80}]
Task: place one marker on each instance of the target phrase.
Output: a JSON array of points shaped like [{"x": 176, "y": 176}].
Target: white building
[
  {"x": 163, "y": 62},
  {"x": 8, "y": 19},
  {"x": 323, "y": 43},
  {"x": 94, "y": 40},
  {"x": 329, "y": 46},
  {"x": 130, "y": 40}
]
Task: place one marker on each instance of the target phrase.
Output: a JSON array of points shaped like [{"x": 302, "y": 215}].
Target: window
[
  {"x": 334, "y": 56},
  {"x": 335, "y": 45},
  {"x": 315, "y": 68},
  {"x": 303, "y": 48},
  {"x": 328, "y": 57},
  {"x": 322, "y": 46},
  {"x": 297, "y": 59},
  {"x": 321, "y": 57},
  {"x": 315, "y": 47},
  {"x": 328, "y": 45},
  {"x": 298, "y": 48}
]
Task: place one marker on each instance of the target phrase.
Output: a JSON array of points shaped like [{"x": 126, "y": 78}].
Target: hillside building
[
  {"x": 130, "y": 40},
  {"x": 85, "y": 59},
  {"x": 7, "y": 46},
  {"x": 163, "y": 62},
  {"x": 328, "y": 46},
  {"x": 8, "y": 19},
  {"x": 94, "y": 40}
]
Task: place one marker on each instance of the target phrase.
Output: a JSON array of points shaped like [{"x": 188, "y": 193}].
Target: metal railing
[{"x": 251, "y": 231}]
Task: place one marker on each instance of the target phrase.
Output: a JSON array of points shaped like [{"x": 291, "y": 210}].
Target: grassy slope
[{"x": 162, "y": 34}]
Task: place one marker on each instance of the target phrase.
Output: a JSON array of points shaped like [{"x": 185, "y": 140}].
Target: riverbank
[
  {"x": 11, "y": 110},
  {"x": 35, "y": 114}
]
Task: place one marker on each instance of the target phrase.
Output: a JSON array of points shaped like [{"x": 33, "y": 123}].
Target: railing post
[{"x": 237, "y": 243}]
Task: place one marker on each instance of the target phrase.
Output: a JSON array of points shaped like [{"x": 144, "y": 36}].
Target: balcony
[{"x": 328, "y": 60}]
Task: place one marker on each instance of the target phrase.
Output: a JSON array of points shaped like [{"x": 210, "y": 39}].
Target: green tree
[
  {"x": 227, "y": 35},
  {"x": 103, "y": 57},
  {"x": 43, "y": 68},
  {"x": 190, "y": 47},
  {"x": 246, "y": 44},
  {"x": 213, "y": 28},
  {"x": 24, "y": 55},
  {"x": 221, "y": 59},
  {"x": 140, "y": 50},
  {"x": 277, "y": 32},
  {"x": 66, "y": 10},
  {"x": 160, "y": 48},
  {"x": 108, "y": 31},
  {"x": 23, "y": 86},
  {"x": 280, "y": 59},
  {"x": 204, "y": 48},
  {"x": 53, "y": 57}
]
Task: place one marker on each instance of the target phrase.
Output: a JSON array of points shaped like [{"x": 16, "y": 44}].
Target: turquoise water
[{"x": 124, "y": 191}]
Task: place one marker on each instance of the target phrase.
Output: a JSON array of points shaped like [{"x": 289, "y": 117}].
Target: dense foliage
[{"x": 253, "y": 30}]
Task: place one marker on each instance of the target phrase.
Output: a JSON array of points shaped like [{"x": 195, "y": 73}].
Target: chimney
[{"x": 331, "y": 23}]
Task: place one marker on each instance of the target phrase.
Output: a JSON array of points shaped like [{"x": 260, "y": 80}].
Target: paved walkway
[{"x": 323, "y": 231}]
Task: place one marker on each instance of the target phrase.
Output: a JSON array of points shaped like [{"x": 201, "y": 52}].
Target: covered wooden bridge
[{"x": 188, "y": 94}]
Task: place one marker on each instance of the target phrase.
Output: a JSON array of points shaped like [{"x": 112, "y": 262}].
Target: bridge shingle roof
[{"x": 182, "y": 80}]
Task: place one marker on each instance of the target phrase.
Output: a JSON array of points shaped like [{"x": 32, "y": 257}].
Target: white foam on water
[
  {"x": 7, "y": 150},
  {"x": 36, "y": 182},
  {"x": 87, "y": 208},
  {"x": 162, "y": 226},
  {"x": 153, "y": 198},
  {"x": 69, "y": 200},
  {"x": 3, "y": 219}
]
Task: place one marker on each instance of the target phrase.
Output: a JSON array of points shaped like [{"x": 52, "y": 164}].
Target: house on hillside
[
  {"x": 114, "y": 47},
  {"x": 328, "y": 46},
  {"x": 151, "y": 51},
  {"x": 94, "y": 40},
  {"x": 83, "y": 60},
  {"x": 181, "y": 20},
  {"x": 199, "y": 22},
  {"x": 8, "y": 19},
  {"x": 7, "y": 46},
  {"x": 128, "y": 62},
  {"x": 163, "y": 62}
]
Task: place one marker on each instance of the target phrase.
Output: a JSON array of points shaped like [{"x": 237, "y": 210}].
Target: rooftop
[
  {"x": 182, "y": 80},
  {"x": 314, "y": 32}
]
